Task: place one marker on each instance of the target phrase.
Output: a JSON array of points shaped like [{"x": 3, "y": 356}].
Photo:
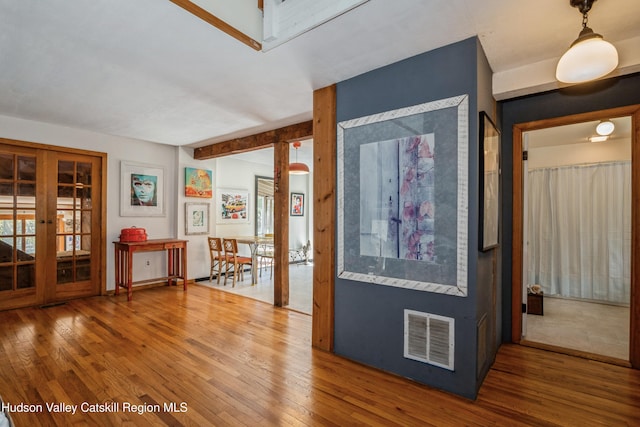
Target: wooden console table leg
[
  {"x": 171, "y": 266},
  {"x": 183, "y": 264},
  {"x": 129, "y": 275},
  {"x": 118, "y": 262}
]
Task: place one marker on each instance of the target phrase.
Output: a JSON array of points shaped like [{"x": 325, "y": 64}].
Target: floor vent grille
[{"x": 429, "y": 338}]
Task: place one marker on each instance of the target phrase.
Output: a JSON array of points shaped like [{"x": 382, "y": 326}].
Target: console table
[{"x": 176, "y": 263}]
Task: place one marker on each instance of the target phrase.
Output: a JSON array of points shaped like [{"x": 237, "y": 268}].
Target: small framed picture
[
  {"x": 196, "y": 218},
  {"x": 297, "y": 204}
]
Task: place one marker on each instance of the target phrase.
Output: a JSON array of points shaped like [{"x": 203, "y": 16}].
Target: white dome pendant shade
[{"x": 589, "y": 57}]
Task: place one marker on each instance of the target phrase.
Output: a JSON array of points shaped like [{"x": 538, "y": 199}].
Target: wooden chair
[
  {"x": 266, "y": 255},
  {"x": 218, "y": 258},
  {"x": 234, "y": 263}
]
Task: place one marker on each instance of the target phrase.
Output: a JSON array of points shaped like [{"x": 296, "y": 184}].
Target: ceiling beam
[
  {"x": 255, "y": 142},
  {"x": 218, "y": 23}
]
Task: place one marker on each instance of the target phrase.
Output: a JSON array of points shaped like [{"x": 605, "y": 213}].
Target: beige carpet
[{"x": 585, "y": 326}]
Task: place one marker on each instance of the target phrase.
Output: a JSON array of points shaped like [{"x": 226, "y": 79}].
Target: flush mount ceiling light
[
  {"x": 298, "y": 168},
  {"x": 589, "y": 56},
  {"x": 605, "y": 127},
  {"x": 599, "y": 138}
]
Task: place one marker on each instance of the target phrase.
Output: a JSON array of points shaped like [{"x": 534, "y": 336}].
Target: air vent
[{"x": 429, "y": 338}]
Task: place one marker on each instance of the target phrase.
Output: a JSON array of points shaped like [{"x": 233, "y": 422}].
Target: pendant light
[
  {"x": 298, "y": 168},
  {"x": 589, "y": 56}
]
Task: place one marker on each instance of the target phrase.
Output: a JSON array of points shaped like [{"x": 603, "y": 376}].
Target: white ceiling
[{"x": 147, "y": 69}]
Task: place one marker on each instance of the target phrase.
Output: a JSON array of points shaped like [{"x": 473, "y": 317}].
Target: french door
[{"x": 50, "y": 225}]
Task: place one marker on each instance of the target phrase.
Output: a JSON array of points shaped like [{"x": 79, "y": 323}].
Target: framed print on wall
[
  {"x": 489, "y": 183},
  {"x": 196, "y": 218},
  {"x": 232, "y": 206},
  {"x": 403, "y": 197},
  {"x": 297, "y": 204},
  {"x": 141, "y": 189},
  {"x": 198, "y": 183}
]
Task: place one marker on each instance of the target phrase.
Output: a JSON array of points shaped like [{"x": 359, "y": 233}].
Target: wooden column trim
[
  {"x": 281, "y": 223},
  {"x": 258, "y": 141},
  {"x": 634, "y": 327},
  {"x": 516, "y": 249},
  {"x": 324, "y": 208}
]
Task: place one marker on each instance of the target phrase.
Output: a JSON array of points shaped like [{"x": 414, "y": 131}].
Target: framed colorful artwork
[
  {"x": 232, "y": 206},
  {"x": 297, "y": 204},
  {"x": 198, "y": 183},
  {"x": 141, "y": 189},
  {"x": 403, "y": 199}
]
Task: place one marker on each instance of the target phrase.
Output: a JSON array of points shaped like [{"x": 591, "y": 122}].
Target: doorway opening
[
  {"x": 577, "y": 237},
  {"x": 574, "y": 209}
]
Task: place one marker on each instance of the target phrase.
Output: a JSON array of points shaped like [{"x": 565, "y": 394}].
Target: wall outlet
[{"x": 148, "y": 263}]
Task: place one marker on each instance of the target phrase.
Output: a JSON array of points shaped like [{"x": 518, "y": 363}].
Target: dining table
[{"x": 253, "y": 242}]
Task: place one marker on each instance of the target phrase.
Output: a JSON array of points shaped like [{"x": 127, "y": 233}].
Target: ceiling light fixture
[
  {"x": 599, "y": 138},
  {"x": 589, "y": 56},
  {"x": 298, "y": 168},
  {"x": 605, "y": 127}
]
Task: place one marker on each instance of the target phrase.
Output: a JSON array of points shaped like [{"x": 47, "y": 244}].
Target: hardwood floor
[{"x": 229, "y": 360}]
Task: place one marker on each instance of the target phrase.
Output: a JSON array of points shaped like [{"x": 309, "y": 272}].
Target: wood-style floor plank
[{"x": 234, "y": 361}]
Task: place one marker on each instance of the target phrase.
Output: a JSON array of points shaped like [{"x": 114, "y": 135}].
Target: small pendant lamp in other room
[
  {"x": 589, "y": 57},
  {"x": 298, "y": 168}
]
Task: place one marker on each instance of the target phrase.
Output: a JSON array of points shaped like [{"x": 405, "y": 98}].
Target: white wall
[
  {"x": 117, "y": 149},
  {"x": 299, "y": 225},
  {"x": 574, "y": 154},
  {"x": 227, "y": 172}
]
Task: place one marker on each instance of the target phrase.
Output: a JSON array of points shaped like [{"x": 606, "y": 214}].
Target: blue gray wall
[
  {"x": 599, "y": 95},
  {"x": 368, "y": 317}
]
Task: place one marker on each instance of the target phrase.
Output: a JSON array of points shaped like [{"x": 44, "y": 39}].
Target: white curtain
[{"x": 580, "y": 231}]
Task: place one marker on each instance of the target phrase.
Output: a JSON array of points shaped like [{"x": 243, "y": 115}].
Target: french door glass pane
[
  {"x": 17, "y": 221},
  {"x": 65, "y": 172},
  {"x": 83, "y": 175},
  {"x": 26, "y": 168},
  {"x": 6, "y": 278},
  {"x": 26, "y": 276},
  {"x": 6, "y": 166},
  {"x": 6, "y": 189},
  {"x": 73, "y": 229}
]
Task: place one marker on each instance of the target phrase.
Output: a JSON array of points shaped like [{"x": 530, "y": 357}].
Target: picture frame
[
  {"x": 198, "y": 183},
  {"x": 489, "y": 183},
  {"x": 142, "y": 189},
  {"x": 296, "y": 206},
  {"x": 402, "y": 208},
  {"x": 232, "y": 206},
  {"x": 196, "y": 218}
]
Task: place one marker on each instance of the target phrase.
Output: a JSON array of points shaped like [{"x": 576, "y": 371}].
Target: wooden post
[
  {"x": 324, "y": 208},
  {"x": 281, "y": 223}
]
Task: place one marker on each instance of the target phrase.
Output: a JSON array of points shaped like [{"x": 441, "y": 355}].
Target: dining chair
[
  {"x": 218, "y": 258},
  {"x": 266, "y": 255},
  {"x": 234, "y": 262}
]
